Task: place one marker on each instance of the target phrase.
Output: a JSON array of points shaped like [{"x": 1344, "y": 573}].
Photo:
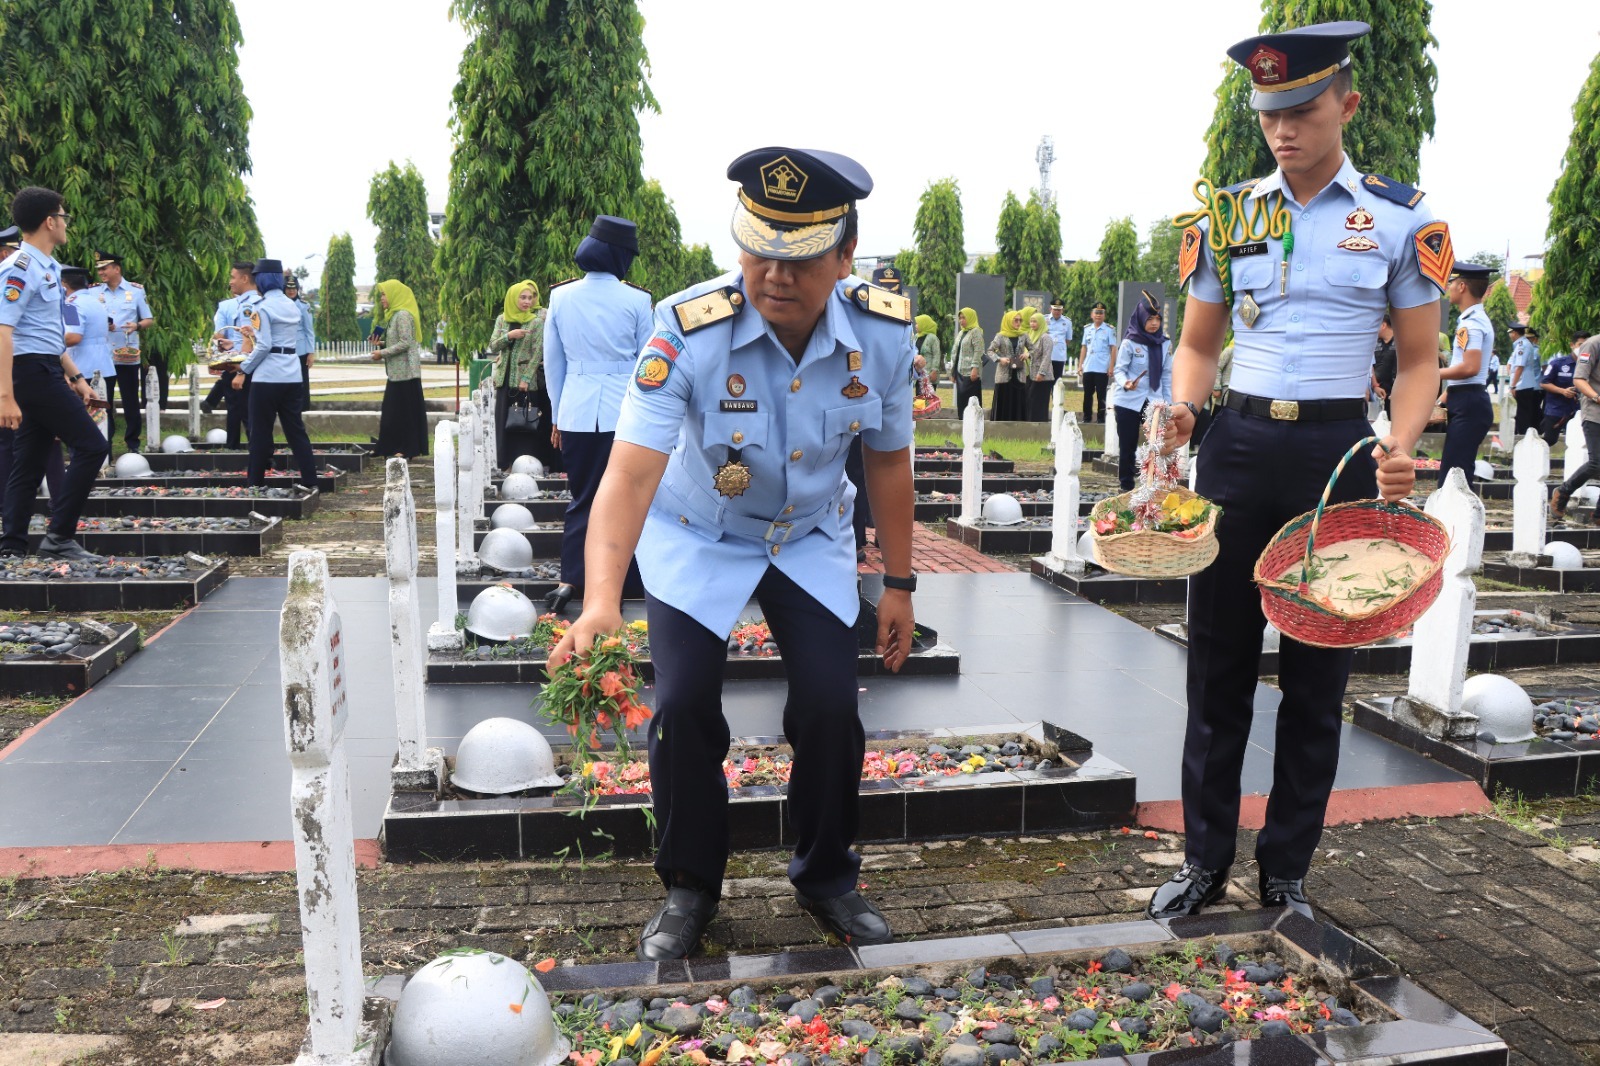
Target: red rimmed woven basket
[{"x": 1298, "y": 616}]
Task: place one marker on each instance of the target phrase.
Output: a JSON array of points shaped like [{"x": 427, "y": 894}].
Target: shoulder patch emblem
[
  {"x": 881, "y": 302},
  {"x": 652, "y": 373},
  {"x": 698, "y": 312},
  {"x": 14, "y": 287},
  {"x": 1461, "y": 338},
  {"x": 1436, "y": 256},
  {"x": 1397, "y": 192},
  {"x": 1189, "y": 254},
  {"x": 667, "y": 343}
]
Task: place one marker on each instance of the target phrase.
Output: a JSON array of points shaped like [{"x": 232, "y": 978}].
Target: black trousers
[
  {"x": 160, "y": 363},
  {"x": 305, "y": 384},
  {"x": 966, "y": 389},
  {"x": 1551, "y": 427},
  {"x": 1530, "y": 410},
  {"x": 55, "y": 469},
  {"x": 50, "y": 411},
  {"x": 1263, "y": 473},
  {"x": 1588, "y": 471},
  {"x": 1129, "y": 422},
  {"x": 1094, "y": 392},
  {"x": 689, "y": 739},
  {"x": 238, "y": 410},
  {"x": 127, "y": 380},
  {"x": 278, "y": 400},
  {"x": 855, "y": 468},
  {"x": 1471, "y": 415},
  {"x": 585, "y": 456}
]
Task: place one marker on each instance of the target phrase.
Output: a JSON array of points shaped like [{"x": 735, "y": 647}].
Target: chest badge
[
  {"x": 735, "y": 385},
  {"x": 1358, "y": 242},
  {"x": 732, "y": 478},
  {"x": 1249, "y": 311},
  {"x": 855, "y": 390},
  {"x": 854, "y": 361},
  {"x": 1359, "y": 220}
]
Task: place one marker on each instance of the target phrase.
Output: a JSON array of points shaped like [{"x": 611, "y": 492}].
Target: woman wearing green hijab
[
  {"x": 1040, "y": 347},
  {"x": 929, "y": 352},
  {"x": 1010, "y": 360},
  {"x": 403, "y": 425},
  {"x": 518, "y": 347},
  {"x": 968, "y": 350}
]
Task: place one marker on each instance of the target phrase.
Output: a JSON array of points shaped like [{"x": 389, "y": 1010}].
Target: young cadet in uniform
[
  {"x": 730, "y": 460},
  {"x": 1525, "y": 373},
  {"x": 243, "y": 310},
  {"x": 305, "y": 344},
  {"x": 1094, "y": 362},
  {"x": 592, "y": 335},
  {"x": 1060, "y": 327},
  {"x": 274, "y": 372},
  {"x": 1466, "y": 391},
  {"x": 1304, "y": 291},
  {"x": 36, "y": 398},
  {"x": 1561, "y": 397},
  {"x": 129, "y": 312}
]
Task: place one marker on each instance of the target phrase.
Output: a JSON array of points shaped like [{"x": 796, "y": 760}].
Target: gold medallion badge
[
  {"x": 855, "y": 390},
  {"x": 733, "y": 477},
  {"x": 1249, "y": 311}
]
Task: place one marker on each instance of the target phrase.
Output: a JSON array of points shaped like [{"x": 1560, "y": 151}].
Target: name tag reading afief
[
  {"x": 740, "y": 406},
  {"x": 1239, "y": 251}
]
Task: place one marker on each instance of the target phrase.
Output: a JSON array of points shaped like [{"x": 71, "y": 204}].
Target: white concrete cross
[
  {"x": 152, "y": 409},
  {"x": 443, "y": 634},
  {"x": 1508, "y": 422},
  {"x": 194, "y": 401},
  {"x": 417, "y": 768},
  {"x": 1577, "y": 456},
  {"x": 312, "y": 659},
  {"x": 1439, "y": 641},
  {"x": 98, "y": 384},
  {"x": 1068, "y": 438},
  {"x": 1113, "y": 446},
  {"x": 972, "y": 463},
  {"x": 469, "y": 494},
  {"x": 1530, "y": 464}
]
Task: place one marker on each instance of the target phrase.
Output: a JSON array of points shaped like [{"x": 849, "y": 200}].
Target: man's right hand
[
  {"x": 595, "y": 621},
  {"x": 1180, "y": 427},
  {"x": 974, "y": 375},
  {"x": 10, "y": 413}
]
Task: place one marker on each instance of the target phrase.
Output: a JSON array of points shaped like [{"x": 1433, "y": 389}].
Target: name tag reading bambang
[{"x": 740, "y": 406}]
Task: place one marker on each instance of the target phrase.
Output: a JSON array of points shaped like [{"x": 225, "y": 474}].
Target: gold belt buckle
[{"x": 1286, "y": 410}]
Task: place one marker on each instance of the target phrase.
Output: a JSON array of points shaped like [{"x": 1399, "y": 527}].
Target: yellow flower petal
[{"x": 633, "y": 1034}]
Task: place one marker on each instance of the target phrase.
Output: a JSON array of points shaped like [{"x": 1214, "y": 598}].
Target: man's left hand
[
  {"x": 85, "y": 393},
  {"x": 895, "y": 626},
  {"x": 1397, "y": 471}
]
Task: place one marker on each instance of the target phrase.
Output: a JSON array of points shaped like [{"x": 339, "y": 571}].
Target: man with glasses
[
  {"x": 130, "y": 315},
  {"x": 36, "y": 397}
]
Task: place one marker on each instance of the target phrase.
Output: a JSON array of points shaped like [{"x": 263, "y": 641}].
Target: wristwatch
[
  {"x": 905, "y": 584},
  {"x": 1192, "y": 408},
  {"x": 74, "y": 379}
]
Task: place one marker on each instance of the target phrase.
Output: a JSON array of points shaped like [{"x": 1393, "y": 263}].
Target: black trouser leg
[
  {"x": 128, "y": 382},
  {"x": 263, "y": 404},
  {"x": 1128, "y": 422},
  {"x": 1471, "y": 415},
  {"x": 1094, "y": 393},
  {"x": 305, "y": 384},
  {"x": 502, "y": 405},
  {"x": 1262, "y": 473},
  {"x": 290, "y": 404},
  {"x": 856, "y": 470},
  {"x": 1530, "y": 410},
  {"x": 1589, "y": 470},
  {"x": 585, "y": 456},
  {"x": 967, "y": 389},
  {"x": 1551, "y": 428},
  {"x": 238, "y": 412},
  {"x": 50, "y": 411}
]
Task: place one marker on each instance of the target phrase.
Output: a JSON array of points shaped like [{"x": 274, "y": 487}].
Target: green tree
[
  {"x": 1119, "y": 261},
  {"x": 1080, "y": 288},
  {"x": 940, "y": 255},
  {"x": 1566, "y": 297},
  {"x": 546, "y": 127},
  {"x": 1393, "y": 70},
  {"x": 397, "y": 203},
  {"x": 659, "y": 266},
  {"x": 1008, "y": 241},
  {"x": 138, "y": 118},
  {"x": 336, "y": 317},
  {"x": 698, "y": 264},
  {"x": 1502, "y": 311},
  {"x": 1039, "y": 251}
]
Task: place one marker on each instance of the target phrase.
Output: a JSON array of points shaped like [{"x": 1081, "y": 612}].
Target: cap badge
[
  {"x": 781, "y": 180},
  {"x": 1359, "y": 220},
  {"x": 1267, "y": 65}
]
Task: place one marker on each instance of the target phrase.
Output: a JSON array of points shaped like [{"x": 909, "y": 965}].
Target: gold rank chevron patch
[
  {"x": 881, "y": 302},
  {"x": 698, "y": 312}
]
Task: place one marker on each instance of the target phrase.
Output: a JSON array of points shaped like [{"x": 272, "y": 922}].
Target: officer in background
[
  {"x": 1304, "y": 316},
  {"x": 1094, "y": 362},
  {"x": 1059, "y": 327},
  {"x": 130, "y": 315},
  {"x": 85, "y": 316},
  {"x": 273, "y": 369},
  {"x": 36, "y": 398},
  {"x": 1525, "y": 375},
  {"x": 729, "y": 456},
  {"x": 305, "y": 344},
  {"x": 593, "y": 332},
  {"x": 232, "y": 316},
  {"x": 1561, "y": 397},
  {"x": 1466, "y": 391},
  {"x": 239, "y": 278}
]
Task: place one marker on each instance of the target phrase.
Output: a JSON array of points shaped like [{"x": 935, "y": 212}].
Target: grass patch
[{"x": 1021, "y": 451}]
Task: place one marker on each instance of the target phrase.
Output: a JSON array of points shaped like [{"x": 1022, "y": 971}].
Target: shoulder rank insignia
[
  {"x": 641, "y": 288},
  {"x": 1242, "y": 186},
  {"x": 1394, "y": 191},
  {"x": 558, "y": 285},
  {"x": 708, "y": 309},
  {"x": 1436, "y": 257},
  {"x": 1189, "y": 253},
  {"x": 21, "y": 261},
  {"x": 881, "y": 302}
]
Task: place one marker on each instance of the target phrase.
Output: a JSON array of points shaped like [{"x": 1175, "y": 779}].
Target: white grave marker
[
  {"x": 417, "y": 768},
  {"x": 1577, "y": 456},
  {"x": 468, "y": 493},
  {"x": 1113, "y": 446},
  {"x": 971, "y": 463},
  {"x": 443, "y": 634},
  {"x": 152, "y": 407},
  {"x": 194, "y": 400},
  {"x": 102, "y": 415},
  {"x": 1530, "y": 463},
  {"x": 1508, "y": 422},
  {"x": 1068, "y": 438}
]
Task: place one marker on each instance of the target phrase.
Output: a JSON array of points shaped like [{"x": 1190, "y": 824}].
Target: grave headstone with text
[{"x": 152, "y": 408}]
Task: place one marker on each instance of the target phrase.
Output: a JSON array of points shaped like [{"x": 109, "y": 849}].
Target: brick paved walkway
[{"x": 934, "y": 553}]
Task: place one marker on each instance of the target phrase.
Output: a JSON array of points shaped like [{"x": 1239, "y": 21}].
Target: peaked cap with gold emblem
[
  {"x": 793, "y": 201},
  {"x": 1290, "y": 68}
]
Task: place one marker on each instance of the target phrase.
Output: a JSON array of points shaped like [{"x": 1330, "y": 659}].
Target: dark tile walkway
[{"x": 185, "y": 742}]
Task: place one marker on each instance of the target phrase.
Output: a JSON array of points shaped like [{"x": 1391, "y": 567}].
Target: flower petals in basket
[{"x": 1159, "y": 529}]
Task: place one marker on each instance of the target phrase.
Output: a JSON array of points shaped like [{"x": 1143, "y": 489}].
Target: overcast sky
[{"x": 915, "y": 92}]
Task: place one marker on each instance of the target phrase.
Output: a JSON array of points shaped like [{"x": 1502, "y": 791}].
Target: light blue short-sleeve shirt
[
  {"x": 93, "y": 350},
  {"x": 730, "y": 394},
  {"x": 30, "y": 302},
  {"x": 1133, "y": 364},
  {"x": 1473, "y": 331},
  {"x": 593, "y": 332},
  {"x": 1099, "y": 340}
]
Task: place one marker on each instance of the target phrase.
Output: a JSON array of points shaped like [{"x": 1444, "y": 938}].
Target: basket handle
[{"x": 1322, "y": 504}]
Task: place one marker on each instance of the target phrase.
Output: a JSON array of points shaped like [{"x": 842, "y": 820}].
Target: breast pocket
[
  {"x": 1354, "y": 294},
  {"x": 840, "y": 425},
  {"x": 735, "y": 429},
  {"x": 1256, "y": 277}
]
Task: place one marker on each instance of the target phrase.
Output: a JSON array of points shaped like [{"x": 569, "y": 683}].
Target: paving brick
[
  {"x": 1559, "y": 952},
  {"x": 1075, "y": 905},
  {"x": 1471, "y": 999},
  {"x": 37, "y": 932},
  {"x": 50, "y": 983},
  {"x": 189, "y": 952},
  {"x": 1540, "y": 1044},
  {"x": 197, "y": 982},
  {"x": 225, "y": 925},
  {"x": 987, "y": 890}
]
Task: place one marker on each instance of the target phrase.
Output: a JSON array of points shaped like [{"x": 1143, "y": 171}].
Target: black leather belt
[
  {"x": 281, "y": 351},
  {"x": 1295, "y": 410},
  {"x": 1468, "y": 388}
]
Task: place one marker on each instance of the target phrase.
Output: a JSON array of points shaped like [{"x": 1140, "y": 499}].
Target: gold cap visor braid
[{"x": 763, "y": 238}]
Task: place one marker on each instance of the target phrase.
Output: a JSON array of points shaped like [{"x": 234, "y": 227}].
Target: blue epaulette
[
  {"x": 1394, "y": 191},
  {"x": 1243, "y": 185}
]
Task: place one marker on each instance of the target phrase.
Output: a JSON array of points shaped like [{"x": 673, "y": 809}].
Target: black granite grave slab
[
  {"x": 545, "y": 540},
  {"x": 1534, "y": 769},
  {"x": 1100, "y": 586},
  {"x": 991, "y": 483},
  {"x": 1543, "y": 576},
  {"x": 544, "y": 509},
  {"x": 163, "y": 503},
  {"x": 69, "y": 675},
  {"x": 1032, "y": 537},
  {"x": 1582, "y": 537},
  {"x": 348, "y": 457},
  {"x": 327, "y": 480},
  {"x": 137, "y": 543},
  {"x": 927, "y": 464},
  {"x": 1084, "y": 792},
  {"x": 126, "y": 594},
  {"x": 929, "y": 511}
]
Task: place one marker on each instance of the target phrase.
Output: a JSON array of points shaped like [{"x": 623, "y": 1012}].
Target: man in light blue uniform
[
  {"x": 36, "y": 399},
  {"x": 130, "y": 314},
  {"x": 592, "y": 335},
  {"x": 1525, "y": 377},
  {"x": 1059, "y": 326},
  {"x": 1302, "y": 265},
  {"x": 1094, "y": 365},
  {"x": 241, "y": 309},
  {"x": 1465, "y": 380},
  {"x": 305, "y": 344},
  {"x": 730, "y": 458},
  {"x": 86, "y": 319}
]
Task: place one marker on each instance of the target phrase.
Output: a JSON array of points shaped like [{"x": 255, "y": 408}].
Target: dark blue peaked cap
[
  {"x": 618, "y": 232},
  {"x": 793, "y": 201},
  {"x": 1472, "y": 270},
  {"x": 1287, "y": 69}
]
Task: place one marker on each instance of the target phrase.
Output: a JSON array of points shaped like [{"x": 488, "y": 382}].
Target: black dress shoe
[
  {"x": 849, "y": 917},
  {"x": 557, "y": 598},
  {"x": 1285, "y": 892},
  {"x": 1190, "y": 889},
  {"x": 54, "y": 547},
  {"x": 676, "y": 929}
]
